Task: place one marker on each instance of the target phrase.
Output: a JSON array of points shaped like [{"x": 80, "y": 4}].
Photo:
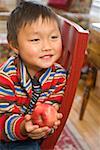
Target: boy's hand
[
  {"x": 59, "y": 116},
  {"x": 57, "y": 123},
  {"x": 34, "y": 131}
]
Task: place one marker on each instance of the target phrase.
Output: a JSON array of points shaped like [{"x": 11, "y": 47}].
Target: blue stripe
[
  {"x": 52, "y": 74},
  {"x": 24, "y": 108},
  {"x": 9, "y": 127},
  {"x": 4, "y": 105},
  {"x": 43, "y": 94},
  {"x": 28, "y": 84},
  {"x": 6, "y": 92},
  {"x": 22, "y": 69},
  {"x": 10, "y": 60},
  {"x": 45, "y": 75},
  {"x": 10, "y": 69},
  {"x": 19, "y": 89},
  {"x": 61, "y": 71}
]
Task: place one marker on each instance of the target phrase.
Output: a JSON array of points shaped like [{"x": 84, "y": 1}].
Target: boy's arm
[
  {"x": 10, "y": 112},
  {"x": 10, "y": 126}
]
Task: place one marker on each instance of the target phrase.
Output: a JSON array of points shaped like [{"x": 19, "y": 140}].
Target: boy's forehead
[{"x": 41, "y": 22}]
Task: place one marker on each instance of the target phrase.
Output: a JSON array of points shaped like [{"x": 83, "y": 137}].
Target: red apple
[{"x": 44, "y": 115}]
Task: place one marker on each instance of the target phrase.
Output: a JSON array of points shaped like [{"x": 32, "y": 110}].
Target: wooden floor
[{"x": 89, "y": 127}]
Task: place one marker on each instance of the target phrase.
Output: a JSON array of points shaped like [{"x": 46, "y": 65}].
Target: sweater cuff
[{"x": 17, "y": 129}]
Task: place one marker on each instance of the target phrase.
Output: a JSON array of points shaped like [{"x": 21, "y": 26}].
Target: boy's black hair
[{"x": 26, "y": 12}]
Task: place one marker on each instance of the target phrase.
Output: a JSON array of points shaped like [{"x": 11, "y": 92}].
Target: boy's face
[{"x": 40, "y": 44}]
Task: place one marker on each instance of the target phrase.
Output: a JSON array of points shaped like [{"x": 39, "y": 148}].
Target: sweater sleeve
[{"x": 10, "y": 113}]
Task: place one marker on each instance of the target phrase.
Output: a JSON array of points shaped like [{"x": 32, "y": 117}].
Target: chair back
[{"x": 75, "y": 40}]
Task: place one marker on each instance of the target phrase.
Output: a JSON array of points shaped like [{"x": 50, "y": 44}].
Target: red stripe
[
  {"x": 5, "y": 81},
  {"x": 2, "y": 126},
  {"x": 58, "y": 89},
  {"x": 8, "y": 98},
  {"x": 23, "y": 101},
  {"x": 46, "y": 85},
  {"x": 17, "y": 129},
  {"x": 14, "y": 78}
]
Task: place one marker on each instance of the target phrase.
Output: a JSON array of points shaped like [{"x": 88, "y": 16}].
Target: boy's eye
[
  {"x": 54, "y": 37},
  {"x": 35, "y": 40}
]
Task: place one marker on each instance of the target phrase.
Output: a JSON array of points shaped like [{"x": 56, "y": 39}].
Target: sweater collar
[{"x": 24, "y": 78}]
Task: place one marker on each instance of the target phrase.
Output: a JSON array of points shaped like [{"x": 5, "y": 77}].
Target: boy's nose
[{"x": 46, "y": 45}]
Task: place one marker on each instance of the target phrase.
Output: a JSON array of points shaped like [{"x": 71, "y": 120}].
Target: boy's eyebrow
[{"x": 39, "y": 32}]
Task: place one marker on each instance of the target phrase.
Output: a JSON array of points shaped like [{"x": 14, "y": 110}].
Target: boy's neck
[{"x": 36, "y": 73}]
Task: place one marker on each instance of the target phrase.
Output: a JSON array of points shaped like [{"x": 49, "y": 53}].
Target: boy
[{"x": 31, "y": 76}]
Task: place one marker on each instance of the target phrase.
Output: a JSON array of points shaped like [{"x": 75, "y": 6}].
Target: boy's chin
[{"x": 47, "y": 66}]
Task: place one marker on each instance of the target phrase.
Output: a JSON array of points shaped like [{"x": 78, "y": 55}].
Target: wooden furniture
[
  {"x": 93, "y": 57},
  {"x": 3, "y": 7},
  {"x": 4, "y": 15},
  {"x": 74, "y": 45}
]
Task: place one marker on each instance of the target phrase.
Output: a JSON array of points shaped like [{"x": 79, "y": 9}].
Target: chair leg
[
  {"x": 84, "y": 102},
  {"x": 89, "y": 84}
]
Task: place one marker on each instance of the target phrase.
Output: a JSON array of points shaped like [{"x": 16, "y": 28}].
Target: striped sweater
[{"x": 16, "y": 94}]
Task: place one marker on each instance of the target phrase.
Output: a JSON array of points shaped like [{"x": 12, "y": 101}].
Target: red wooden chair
[
  {"x": 75, "y": 43},
  {"x": 59, "y": 4}
]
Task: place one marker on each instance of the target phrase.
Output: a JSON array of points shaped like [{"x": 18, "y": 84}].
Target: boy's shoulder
[
  {"x": 58, "y": 71},
  {"x": 58, "y": 68},
  {"x": 7, "y": 64},
  {"x": 8, "y": 67}
]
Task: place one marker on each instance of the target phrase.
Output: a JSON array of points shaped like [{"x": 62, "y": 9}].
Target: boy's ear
[{"x": 14, "y": 47}]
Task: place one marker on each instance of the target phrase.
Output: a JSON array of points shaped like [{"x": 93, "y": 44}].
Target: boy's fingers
[
  {"x": 56, "y": 106},
  {"x": 32, "y": 128},
  {"x": 60, "y": 115},
  {"x": 38, "y": 103},
  {"x": 40, "y": 130},
  {"x": 57, "y": 123},
  {"x": 36, "y": 136},
  {"x": 28, "y": 117}
]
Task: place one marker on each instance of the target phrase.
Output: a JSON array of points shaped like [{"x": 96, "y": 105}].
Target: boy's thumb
[{"x": 28, "y": 117}]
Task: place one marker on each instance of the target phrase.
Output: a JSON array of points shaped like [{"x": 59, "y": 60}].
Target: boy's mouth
[{"x": 46, "y": 56}]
